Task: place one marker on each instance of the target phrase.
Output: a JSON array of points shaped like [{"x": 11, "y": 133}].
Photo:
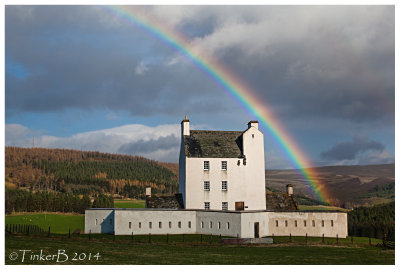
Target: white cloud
[
  {"x": 105, "y": 140},
  {"x": 141, "y": 68}
]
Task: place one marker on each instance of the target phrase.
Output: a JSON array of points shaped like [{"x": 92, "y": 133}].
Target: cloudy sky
[{"x": 80, "y": 77}]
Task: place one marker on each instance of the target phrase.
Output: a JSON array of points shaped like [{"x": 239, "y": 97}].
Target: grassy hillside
[{"x": 59, "y": 223}]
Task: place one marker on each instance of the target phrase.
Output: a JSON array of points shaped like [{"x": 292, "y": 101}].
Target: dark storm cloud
[
  {"x": 327, "y": 62},
  {"x": 71, "y": 62},
  {"x": 349, "y": 150},
  {"x": 143, "y": 147}
]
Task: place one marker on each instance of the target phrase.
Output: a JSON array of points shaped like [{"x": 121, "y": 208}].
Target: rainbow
[{"x": 228, "y": 82}]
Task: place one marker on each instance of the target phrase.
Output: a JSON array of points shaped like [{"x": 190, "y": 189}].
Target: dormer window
[
  {"x": 224, "y": 165},
  {"x": 206, "y": 165}
]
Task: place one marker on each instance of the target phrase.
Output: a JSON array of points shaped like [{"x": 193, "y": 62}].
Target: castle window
[
  {"x": 252, "y": 135},
  {"x": 331, "y": 223},
  {"x": 179, "y": 224},
  {"x": 160, "y": 224},
  {"x": 206, "y": 185},
  {"x": 323, "y": 223},
  {"x": 219, "y": 225},
  {"x": 140, "y": 225},
  {"x": 295, "y": 223},
  {"x": 285, "y": 223},
  {"x": 210, "y": 224},
  {"x": 170, "y": 224},
  {"x": 95, "y": 222},
  {"x": 189, "y": 224},
  {"x": 202, "y": 224},
  {"x": 224, "y": 165},
  {"x": 227, "y": 225},
  {"x": 305, "y": 223},
  {"x": 206, "y": 165},
  {"x": 130, "y": 225},
  {"x": 207, "y": 205},
  {"x": 276, "y": 223},
  {"x": 110, "y": 221},
  {"x": 150, "y": 225},
  {"x": 224, "y": 185},
  {"x": 225, "y": 206}
]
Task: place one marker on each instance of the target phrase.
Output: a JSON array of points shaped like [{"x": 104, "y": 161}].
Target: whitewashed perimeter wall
[
  {"x": 211, "y": 222},
  {"x": 247, "y": 224},
  {"x": 99, "y": 221},
  {"x": 216, "y": 223},
  {"x": 317, "y": 223},
  {"x": 140, "y": 222}
]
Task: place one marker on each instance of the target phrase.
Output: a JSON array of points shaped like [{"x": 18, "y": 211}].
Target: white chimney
[
  {"x": 289, "y": 189},
  {"x": 185, "y": 125},
  {"x": 253, "y": 124},
  {"x": 148, "y": 192}
]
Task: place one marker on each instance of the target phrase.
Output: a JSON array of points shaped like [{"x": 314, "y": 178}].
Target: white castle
[
  {"x": 221, "y": 192},
  {"x": 222, "y": 170}
]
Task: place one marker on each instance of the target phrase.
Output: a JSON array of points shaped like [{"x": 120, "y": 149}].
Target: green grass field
[
  {"x": 123, "y": 251},
  {"x": 129, "y": 203},
  {"x": 59, "y": 223}
]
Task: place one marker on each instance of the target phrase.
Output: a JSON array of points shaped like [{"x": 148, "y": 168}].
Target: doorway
[{"x": 256, "y": 230}]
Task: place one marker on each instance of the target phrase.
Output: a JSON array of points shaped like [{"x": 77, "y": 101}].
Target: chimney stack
[
  {"x": 148, "y": 192},
  {"x": 185, "y": 126},
  {"x": 289, "y": 189},
  {"x": 253, "y": 124}
]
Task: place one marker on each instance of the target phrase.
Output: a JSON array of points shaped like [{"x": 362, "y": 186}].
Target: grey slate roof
[
  {"x": 170, "y": 202},
  {"x": 214, "y": 144}
]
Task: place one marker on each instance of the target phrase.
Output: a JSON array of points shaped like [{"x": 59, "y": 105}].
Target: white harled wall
[
  {"x": 245, "y": 182},
  {"x": 215, "y": 222}
]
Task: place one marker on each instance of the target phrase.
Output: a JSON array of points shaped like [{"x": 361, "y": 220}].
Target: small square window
[
  {"x": 224, "y": 165},
  {"x": 224, "y": 185},
  {"x": 207, "y": 185},
  {"x": 207, "y": 205},
  {"x": 206, "y": 165},
  {"x": 225, "y": 206}
]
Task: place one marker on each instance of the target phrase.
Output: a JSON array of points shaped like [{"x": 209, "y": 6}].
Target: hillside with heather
[
  {"x": 84, "y": 172},
  {"x": 349, "y": 186}
]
